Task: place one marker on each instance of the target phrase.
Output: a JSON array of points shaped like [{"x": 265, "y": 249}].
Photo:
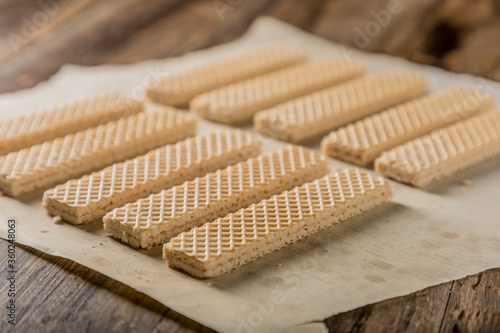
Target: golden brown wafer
[
  {"x": 154, "y": 220},
  {"x": 179, "y": 89},
  {"x": 363, "y": 141},
  {"x": 238, "y": 102},
  {"x": 88, "y": 198},
  {"x": 444, "y": 151},
  {"x": 231, "y": 241},
  {"x": 53, "y": 162},
  {"x": 311, "y": 115},
  {"x": 26, "y": 130}
]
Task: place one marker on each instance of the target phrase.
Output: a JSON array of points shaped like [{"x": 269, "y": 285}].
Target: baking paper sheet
[{"x": 421, "y": 238}]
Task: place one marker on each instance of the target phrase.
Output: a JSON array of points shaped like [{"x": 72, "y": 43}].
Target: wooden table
[{"x": 37, "y": 38}]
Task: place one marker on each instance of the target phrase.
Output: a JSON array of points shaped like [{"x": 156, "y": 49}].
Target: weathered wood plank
[
  {"x": 59, "y": 295},
  {"x": 474, "y": 304},
  {"x": 459, "y": 35},
  {"x": 422, "y": 311}
]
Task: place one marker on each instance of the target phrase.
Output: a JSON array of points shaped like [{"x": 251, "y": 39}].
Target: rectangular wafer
[
  {"x": 179, "y": 89},
  {"x": 238, "y": 102},
  {"x": 443, "y": 152},
  {"x": 52, "y": 162},
  {"x": 88, "y": 198},
  {"x": 311, "y": 115},
  {"x": 250, "y": 233},
  {"x": 363, "y": 141},
  {"x": 26, "y": 130},
  {"x": 154, "y": 220}
]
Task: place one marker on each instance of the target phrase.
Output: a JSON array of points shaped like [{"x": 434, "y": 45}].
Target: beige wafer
[
  {"x": 88, "y": 198},
  {"x": 53, "y": 162},
  {"x": 238, "y": 102},
  {"x": 26, "y": 130},
  {"x": 234, "y": 240},
  {"x": 363, "y": 141},
  {"x": 317, "y": 113},
  {"x": 179, "y": 89},
  {"x": 444, "y": 151},
  {"x": 154, "y": 220}
]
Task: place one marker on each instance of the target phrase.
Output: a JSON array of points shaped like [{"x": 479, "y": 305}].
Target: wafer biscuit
[
  {"x": 241, "y": 237},
  {"x": 444, "y": 151},
  {"x": 53, "y": 162},
  {"x": 88, "y": 198},
  {"x": 26, "y": 130},
  {"x": 362, "y": 142},
  {"x": 317, "y": 113},
  {"x": 238, "y": 102},
  {"x": 179, "y": 89},
  {"x": 154, "y": 220}
]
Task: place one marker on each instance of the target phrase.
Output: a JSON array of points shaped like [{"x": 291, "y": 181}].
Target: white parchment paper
[{"x": 421, "y": 238}]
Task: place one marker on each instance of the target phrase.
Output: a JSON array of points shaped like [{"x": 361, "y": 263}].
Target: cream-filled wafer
[
  {"x": 250, "y": 233},
  {"x": 47, "y": 124},
  {"x": 154, "y": 220},
  {"x": 312, "y": 115},
  {"x": 365, "y": 140},
  {"x": 54, "y": 162},
  {"x": 179, "y": 89},
  {"x": 238, "y": 102},
  {"x": 443, "y": 152},
  {"x": 88, "y": 198}
]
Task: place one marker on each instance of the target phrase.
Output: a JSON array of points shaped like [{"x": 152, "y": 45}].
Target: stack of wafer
[
  {"x": 154, "y": 220},
  {"x": 217, "y": 247},
  {"x": 52, "y": 162},
  {"x": 178, "y": 89},
  {"x": 444, "y": 151},
  {"x": 88, "y": 198},
  {"x": 317, "y": 113},
  {"x": 363, "y": 141},
  {"x": 70, "y": 117},
  {"x": 238, "y": 102}
]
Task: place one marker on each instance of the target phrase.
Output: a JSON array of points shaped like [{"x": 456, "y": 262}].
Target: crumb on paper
[
  {"x": 209, "y": 284},
  {"x": 100, "y": 243},
  {"x": 466, "y": 182},
  {"x": 279, "y": 265},
  {"x": 92, "y": 246},
  {"x": 57, "y": 220},
  {"x": 43, "y": 231}
]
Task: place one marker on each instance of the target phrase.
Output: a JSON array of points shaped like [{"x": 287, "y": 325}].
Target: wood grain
[{"x": 459, "y": 35}]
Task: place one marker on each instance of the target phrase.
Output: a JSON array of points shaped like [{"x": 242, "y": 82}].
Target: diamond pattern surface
[
  {"x": 327, "y": 109},
  {"x": 89, "y": 149},
  {"x": 25, "y": 130},
  {"x": 445, "y": 150},
  {"x": 364, "y": 140},
  {"x": 179, "y": 161},
  {"x": 184, "y": 200},
  {"x": 257, "y": 222},
  {"x": 179, "y": 89},
  {"x": 238, "y": 102}
]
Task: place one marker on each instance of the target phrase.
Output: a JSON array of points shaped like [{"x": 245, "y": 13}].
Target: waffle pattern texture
[
  {"x": 238, "y": 102},
  {"x": 363, "y": 141},
  {"x": 154, "y": 220},
  {"x": 317, "y": 113},
  {"x": 47, "y": 124},
  {"x": 53, "y": 162},
  {"x": 92, "y": 196},
  {"x": 444, "y": 151},
  {"x": 179, "y": 89},
  {"x": 252, "y": 232}
]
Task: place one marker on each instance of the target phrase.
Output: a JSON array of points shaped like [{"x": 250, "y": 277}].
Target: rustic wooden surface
[{"x": 38, "y": 37}]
